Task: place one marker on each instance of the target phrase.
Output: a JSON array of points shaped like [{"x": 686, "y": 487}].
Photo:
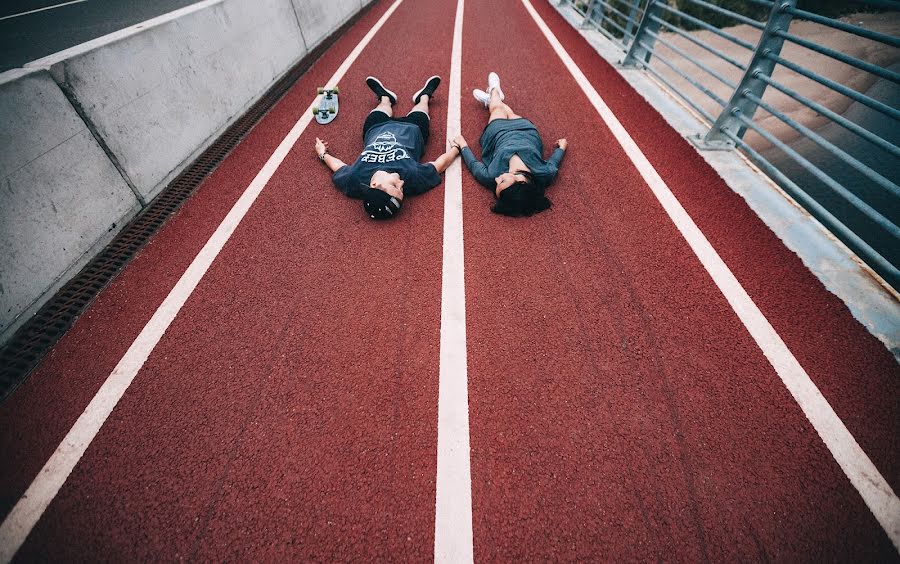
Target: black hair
[{"x": 522, "y": 199}]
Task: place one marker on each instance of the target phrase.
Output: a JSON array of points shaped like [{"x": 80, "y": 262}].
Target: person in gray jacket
[{"x": 514, "y": 166}]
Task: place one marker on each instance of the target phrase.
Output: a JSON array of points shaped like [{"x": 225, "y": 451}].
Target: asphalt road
[{"x": 31, "y": 36}]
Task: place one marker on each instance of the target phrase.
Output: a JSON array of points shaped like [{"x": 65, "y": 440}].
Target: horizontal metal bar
[
  {"x": 763, "y": 3},
  {"x": 609, "y": 21},
  {"x": 712, "y": 72},
  {"x": 862, "y": 65},
  {"x": 675, "y": 90},
  {"x": 839, "y": 189},
  {"x": 734, "y": 15},
  {"x": 699, "y": 43},
  {"x": 856, "y": 244},
  {"x": 613, "y": 22},
  {"x": 607, "y": 34},
  {"x": 708, "y": 27},
  {"x": 639, "y": 13},
  {"x": 617, "y": 26},
  {"x": 837, "y": 24},
  {"x": 848, "y": 92},
  {"x": 623, "y": 3},
  {"x": 830, "y": 147},
  {"x": 838, "y": 119},
  {"x": 688, "y": 78},
  {"x": 609, "y": 7},
  {"x": 574, "y": 6}
]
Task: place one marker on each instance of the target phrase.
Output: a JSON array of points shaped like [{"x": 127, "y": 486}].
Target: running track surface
[{"x": 618, "y": 409}]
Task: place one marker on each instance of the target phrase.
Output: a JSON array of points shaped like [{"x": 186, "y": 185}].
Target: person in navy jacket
[{"x": 388, "y": 168}]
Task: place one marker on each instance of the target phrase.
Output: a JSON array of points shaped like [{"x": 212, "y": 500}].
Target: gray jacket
[{"x": 502, "y": 138}]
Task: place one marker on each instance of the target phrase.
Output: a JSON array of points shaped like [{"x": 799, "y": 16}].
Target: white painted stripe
[
  {"x": 453, "y": 499},
  {"x": 873, "y": 488},
  {"x": 43, "y": 489},
  {"x": 42, "y": 9}
]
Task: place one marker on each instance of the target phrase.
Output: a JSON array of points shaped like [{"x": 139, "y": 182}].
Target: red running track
[{"x": 618, "y": 407}]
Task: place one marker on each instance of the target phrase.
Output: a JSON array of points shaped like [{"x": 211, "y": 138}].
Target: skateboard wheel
[
  {"x": 332, "y": 111},
  {"x": 336, "y": 90},
  {"x": 319, "y": 90},
  {"x": 315, "y": 110}
]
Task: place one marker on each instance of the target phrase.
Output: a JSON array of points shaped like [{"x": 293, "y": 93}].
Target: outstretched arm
[
  {"x": 476, "y": 167},
  {"x": 556, "y": 158},
  {"x": 441, "y": 163},
  {"x": 330, "y": 161}
]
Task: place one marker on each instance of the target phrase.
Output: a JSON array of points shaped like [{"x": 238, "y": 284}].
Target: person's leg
[
  {"x": 384, "y": 106},
  {"x": 419, "y": 116},
  {"x": 498, "y": 109},
  {"x": 383, "y": 111},
  {"x": 427, "y": 90},
  {"x": 422, "y": 105},
  {"x": 380, "y": 114},
  {"x": 385, "y": 97}
]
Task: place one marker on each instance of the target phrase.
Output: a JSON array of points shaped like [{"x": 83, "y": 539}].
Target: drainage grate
[{"x": 37, "y": 336}]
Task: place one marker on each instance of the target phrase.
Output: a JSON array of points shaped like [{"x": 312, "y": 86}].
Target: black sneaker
[
  {"x": 378, "y": 88},
  {"x": 428, "y": 90}
]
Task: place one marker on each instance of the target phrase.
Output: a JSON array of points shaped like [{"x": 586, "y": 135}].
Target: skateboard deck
[{"x": 327, "y": 107}]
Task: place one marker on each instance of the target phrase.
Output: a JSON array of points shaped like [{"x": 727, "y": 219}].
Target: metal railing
[{"x": 845, "y": 178}]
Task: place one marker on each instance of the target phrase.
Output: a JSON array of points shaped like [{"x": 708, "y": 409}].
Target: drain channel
[{"x": 36, "y": 337}]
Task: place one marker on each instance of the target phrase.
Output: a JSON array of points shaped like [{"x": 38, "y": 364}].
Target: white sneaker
[
  {"x": 482, "y": 97},
  {"x": 494, "y": 83}
]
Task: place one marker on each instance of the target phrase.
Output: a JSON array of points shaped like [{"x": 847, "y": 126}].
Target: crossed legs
[{"x": 499, "y": 109}]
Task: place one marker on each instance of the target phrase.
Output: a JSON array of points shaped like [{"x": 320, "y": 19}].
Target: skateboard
[{"x": 327, "y": 108}]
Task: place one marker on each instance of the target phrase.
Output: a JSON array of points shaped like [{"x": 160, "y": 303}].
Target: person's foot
[
  {"x": 482, "y": 97},
  {"x": 494, "y": 84},
  {"x": 428, "y": 90},
  {"x": 378, "y": 88}
]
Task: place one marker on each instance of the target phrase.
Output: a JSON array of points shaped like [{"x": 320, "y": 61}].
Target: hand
[
  {"x": 562, "y": 144},
  {"x": 321, "y": 147},
  {"x": 460, "y": 140}
]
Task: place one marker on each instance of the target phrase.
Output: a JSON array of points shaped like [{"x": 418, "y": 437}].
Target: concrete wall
[
  {"x": 90, "y": 134},
  {"x": 59, "y": 193},
  {"x": 156, "y": 94},
  {"x": 319, "y": 19}
]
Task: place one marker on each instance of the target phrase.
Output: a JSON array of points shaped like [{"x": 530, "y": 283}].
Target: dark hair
[{"x": 522, "y": 199}]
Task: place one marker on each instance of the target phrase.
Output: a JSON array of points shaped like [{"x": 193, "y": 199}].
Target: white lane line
[
  {"x": 871, "y": 485},
  {"x": 42, "y": 9},
  {"x": 43, "y": 489},
  {"x": 453, "y": 499}
]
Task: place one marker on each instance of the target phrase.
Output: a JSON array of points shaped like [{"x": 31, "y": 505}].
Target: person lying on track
[
  {"x": 511, "y": 147},
  {"x": 388, "y": 168}
]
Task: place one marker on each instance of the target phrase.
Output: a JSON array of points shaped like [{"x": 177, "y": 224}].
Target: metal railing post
[
  {"x": 760, "y": 65},
  {"x": 638, "y": 54},
  {"x": 588, "y": 13},
  {"x": 602, "y": 16},
  {"x": 632, "y": 15}
]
